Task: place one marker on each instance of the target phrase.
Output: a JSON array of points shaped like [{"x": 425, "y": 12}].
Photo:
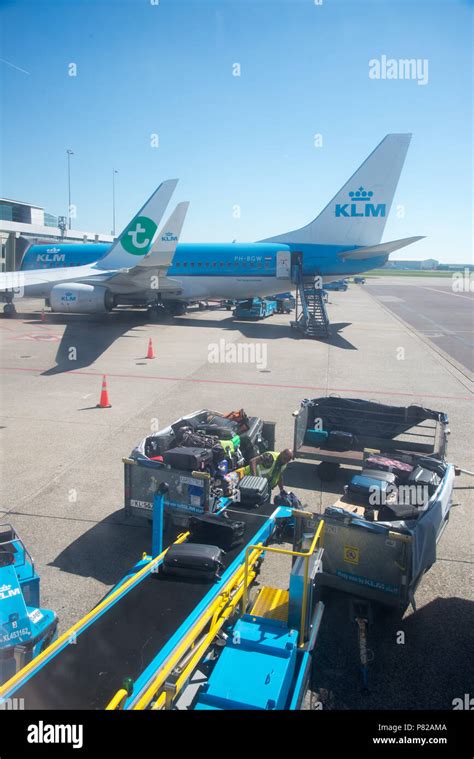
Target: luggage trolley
[{"x": 378, "y": 554}]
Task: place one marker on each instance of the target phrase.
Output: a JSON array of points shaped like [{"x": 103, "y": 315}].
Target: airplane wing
[{"x": 373, "y": 251}]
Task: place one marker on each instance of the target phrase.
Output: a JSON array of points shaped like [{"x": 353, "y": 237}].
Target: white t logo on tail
[{"x": 134, "y": 235}]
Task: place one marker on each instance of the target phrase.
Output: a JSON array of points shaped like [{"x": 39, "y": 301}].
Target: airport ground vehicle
[
  {"x": 359, "y": 280},
  {"x": 190, "y": 492},
  {"x": 286, "y": 302},
  {"x": 256, "y": 308},
  {"x": 159, "y": 642},
  {"x": 338, "y": 285},
  {"x": 377, "y": 551},
  {"x": 26, "y": 629}
]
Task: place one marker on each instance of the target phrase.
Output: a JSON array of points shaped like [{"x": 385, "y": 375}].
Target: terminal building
[{"x": 23, "y": 224}]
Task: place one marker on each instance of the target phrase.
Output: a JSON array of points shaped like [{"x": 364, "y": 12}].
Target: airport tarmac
[
  {"x": 62, "y": 484},
  {"x": 442, "y": 314}
]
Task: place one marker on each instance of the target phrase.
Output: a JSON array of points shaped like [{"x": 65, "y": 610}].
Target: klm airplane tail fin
[
  {"x": 357, "y": 214},
  {"x": 164, "y": 247},
  {"x": 137, "y": 237}
]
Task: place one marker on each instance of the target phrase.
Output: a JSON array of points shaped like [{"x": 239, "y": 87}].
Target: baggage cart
[
  {"x": 189, "y": 493},
  {"x": 376, "y": 427}
]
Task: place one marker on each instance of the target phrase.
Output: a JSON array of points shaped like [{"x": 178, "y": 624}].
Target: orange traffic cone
[
  {"x": 104, "y": 395},
  {"x": 149, "y": 353}
]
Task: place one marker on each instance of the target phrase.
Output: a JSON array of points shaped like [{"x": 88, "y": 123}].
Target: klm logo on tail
[
  {"x": 169, "y": 237},
  {"x": 360, "y": 205}
]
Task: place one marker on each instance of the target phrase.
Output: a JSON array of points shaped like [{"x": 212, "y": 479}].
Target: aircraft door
[{"x": 283, "y": 264}]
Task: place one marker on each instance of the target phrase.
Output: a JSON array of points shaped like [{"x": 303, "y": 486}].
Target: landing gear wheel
[
  {"x": 327, "y": 471},
  {"x": 155, "y": 313},
  {"x": 9, "y": 310},
  {"x": 177, "y": 309}
]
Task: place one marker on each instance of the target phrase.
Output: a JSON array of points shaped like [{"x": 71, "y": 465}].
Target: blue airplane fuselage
[{"x": 213, "y": 259}]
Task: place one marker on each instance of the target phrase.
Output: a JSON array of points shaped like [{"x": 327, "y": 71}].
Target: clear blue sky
[{"x": 248, "y": 140}]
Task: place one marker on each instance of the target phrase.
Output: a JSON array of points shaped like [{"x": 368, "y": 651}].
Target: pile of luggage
[
  {"x": 395, "y": 489},
  {"x": 220, "y": 445}
]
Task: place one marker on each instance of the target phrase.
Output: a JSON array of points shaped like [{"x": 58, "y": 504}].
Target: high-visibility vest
[{"x": 272, "y": 473}]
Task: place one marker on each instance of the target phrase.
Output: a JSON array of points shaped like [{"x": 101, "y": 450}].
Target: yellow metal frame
[
  {"x": 72, "y": 630},
  {"x": 216, "y": 614},
  {"x": 318, "y": 537},
  {"x": 118, "y": 700}
]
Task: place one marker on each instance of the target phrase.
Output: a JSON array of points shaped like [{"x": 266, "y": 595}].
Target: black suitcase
[
  {"x": 375, "y": 474},
  {"x": 251, "y": 441},
  {"x": 253, "y": 490},
  {"x": 219, "y": 530},
  {"x": 194, "y": 561},
  {"x": 340, "y": 441},
  {"x": 188, "y": 459},
  {"x": 396, "y": 512},
  {"x": 156, "y": 445},
  {"x": 424, "y": 477}
]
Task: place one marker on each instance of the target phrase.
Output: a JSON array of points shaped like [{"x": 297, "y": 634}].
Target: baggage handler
[{"x": 270, "y": 465}]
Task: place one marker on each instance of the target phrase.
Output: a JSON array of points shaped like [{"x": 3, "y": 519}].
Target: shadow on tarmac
[
  {"x": 91, "y": 335},
  {"x": 108, "y": 550},
  {"x": 304, "y": 475},
  {"x": 88, "y": 338},
  {"x": 428, "y": 670}
]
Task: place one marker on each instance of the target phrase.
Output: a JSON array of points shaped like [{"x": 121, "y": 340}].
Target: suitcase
[
  {"x": 316, "y": 437},
  {"x": 386, "y": 464},
  {"x": 217, "y": 530},
  {"x": 251, "y": 441},
  {"x": 253, "y": 490},
  {"x": 156, "y": 445},
  {"x": 194, "y": 561},
  {"x": 389, "y": 477},
  {"x": 340, "y": 441},
  {"x": 425, "y": 478},
  {"x": 395, "y": 512},
  {"x": 369, "y": 490},
  {"x": 191, "y": 439},
  {"x": 188, "y": 459}
]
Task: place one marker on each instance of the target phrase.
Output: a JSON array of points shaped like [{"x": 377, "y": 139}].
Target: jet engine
[{"x": 80, "y": 298}]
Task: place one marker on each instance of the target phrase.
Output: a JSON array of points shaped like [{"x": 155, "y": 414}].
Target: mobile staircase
[{"x": 311, "y": 317}]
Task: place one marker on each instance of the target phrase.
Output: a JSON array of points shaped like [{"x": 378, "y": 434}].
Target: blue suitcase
[
  {"x": 369, "y": 490},
  {"x": 316, "y": 437}
]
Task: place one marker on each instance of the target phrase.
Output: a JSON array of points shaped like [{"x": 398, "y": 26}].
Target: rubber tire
[{"x": 9, "y": 310}]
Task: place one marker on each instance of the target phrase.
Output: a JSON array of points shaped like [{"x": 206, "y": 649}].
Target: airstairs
[{"x": 311, "y": 317}]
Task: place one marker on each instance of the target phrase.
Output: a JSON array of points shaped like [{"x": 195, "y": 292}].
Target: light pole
[
  {"x": 114, "y": 172},
  {"x": 69, "y": 154}
]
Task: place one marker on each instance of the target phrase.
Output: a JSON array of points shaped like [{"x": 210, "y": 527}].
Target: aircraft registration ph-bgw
[{"x": 146, "y": 268}]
